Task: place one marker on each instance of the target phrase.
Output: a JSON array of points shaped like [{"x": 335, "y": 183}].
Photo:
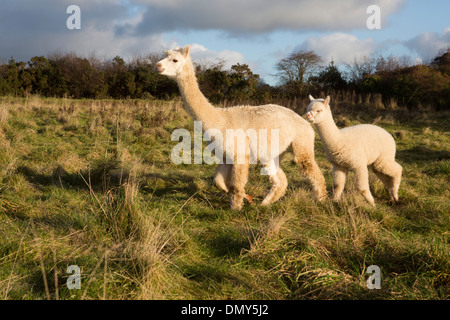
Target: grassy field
[{"x": 90, "y": 183}]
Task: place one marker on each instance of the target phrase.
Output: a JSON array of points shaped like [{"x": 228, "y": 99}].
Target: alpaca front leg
[
  {"x": 239, "y": 177},
  {"x": 339, "y": 177},
  {"x": 222, "y": 179},
  {"x": 362, "y": 183}
]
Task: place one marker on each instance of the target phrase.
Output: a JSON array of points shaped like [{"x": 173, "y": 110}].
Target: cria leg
[
  {"x": 390, "y": 173},
  {"x": 339, "y": 177},
  {"x": 239, "y": 177},
  {"x": 279, "y": 184},
  {"x": 397, "y": 177},
  {"x": 362, "y": 183}
]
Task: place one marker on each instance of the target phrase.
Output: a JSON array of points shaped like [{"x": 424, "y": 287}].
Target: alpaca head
[
  {"x": 318, "y": 110},
  {"x": 172, "y": 65}
]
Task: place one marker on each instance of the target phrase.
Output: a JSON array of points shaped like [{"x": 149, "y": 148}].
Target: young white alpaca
[
  {"x": 232, "y": 178},
  {"x": 355, "y": 148}
]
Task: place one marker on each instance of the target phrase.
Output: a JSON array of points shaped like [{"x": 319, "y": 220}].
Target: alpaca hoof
[
  {"x": 265, "y": 203},
  {"x": 236, "y": 203},
  {"x": 369, "y": 198},
  {"x": 321, "y": 196},
  {"x": 393, "y": 200},
  {"x": 236, "y": 207}
]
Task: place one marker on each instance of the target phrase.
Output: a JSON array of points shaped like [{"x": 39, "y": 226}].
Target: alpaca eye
[{"x": 175, "y": 60}]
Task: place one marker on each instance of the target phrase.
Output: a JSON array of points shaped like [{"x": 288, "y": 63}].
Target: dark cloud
[
  {"x": 242, "y": 17},
  {"x": 29, "y": 28}
]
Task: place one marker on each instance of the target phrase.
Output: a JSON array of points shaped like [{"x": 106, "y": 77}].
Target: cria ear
[
  {"x": 327, "y": 102},
  {"x": 186, "y": 50},
  {"x": 311, "y": 98}
]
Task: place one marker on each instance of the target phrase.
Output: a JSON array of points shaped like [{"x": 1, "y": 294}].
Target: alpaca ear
[
  {"x": 311, "y": 98},
  {"x": 186, "y": 50},
  {"x": 327, "y": 102}
]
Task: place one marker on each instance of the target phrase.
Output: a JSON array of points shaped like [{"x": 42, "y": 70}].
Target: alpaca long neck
[
  {"x": 329, "y": 133},
  {"x": 198, "y": 106}
]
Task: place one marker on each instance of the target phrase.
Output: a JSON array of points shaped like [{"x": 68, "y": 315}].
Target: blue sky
[{"x": 256, "y": 32}]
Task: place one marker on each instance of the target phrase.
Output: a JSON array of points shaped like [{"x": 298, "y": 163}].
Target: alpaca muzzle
[
  {"x": 309, "y": 116},
  {"x": 159, "y": 68}
]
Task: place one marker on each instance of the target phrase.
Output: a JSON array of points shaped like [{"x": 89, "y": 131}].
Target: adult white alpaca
[
  {"x": 232, "y": 178},
  {"x": 356, "y": 148}
]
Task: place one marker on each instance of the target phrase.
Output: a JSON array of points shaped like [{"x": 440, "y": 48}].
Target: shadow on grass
[
  {"x": 103, "y": 180},
  {"x": 107, "y": 175},
  {"x": 422, "y": 153},
  {"x": 176, "y": 182},
  {"x": 211, "y": 276},
  {"x": 228, "y": 244},
  {"x": 408, "y": 262},
  {"x": 100, "y": 176}
]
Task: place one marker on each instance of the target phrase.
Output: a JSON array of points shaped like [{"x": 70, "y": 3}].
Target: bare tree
[
  {"x": 360, "y": 68},
  {"x": 365, "y": 66},
  {"x": 295, "y": 70}
]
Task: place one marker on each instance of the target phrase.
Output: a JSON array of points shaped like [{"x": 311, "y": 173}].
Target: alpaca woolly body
[
  {"x": 356, "y": 148},
  {"x": 360, "y": 144},
  {"x": 232, "y": 178}
]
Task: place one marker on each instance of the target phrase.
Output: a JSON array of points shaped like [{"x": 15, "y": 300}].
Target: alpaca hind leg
[
  {"x": 390, "y": 173},
  {"x": 362, "y": 183},
  {"x": 397, "y": 179},
  {"x": 239, "y": 177},
  {"x": 304, "y": 157},
  {"x": 223, "y": 176},
  {"x": 339, "y": 177},
  {"x": 278, "y": 189},
  {"x": 387, "y": 181}
]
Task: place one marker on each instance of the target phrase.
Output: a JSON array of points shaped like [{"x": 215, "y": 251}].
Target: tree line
[{"x": 299, "y": 74}]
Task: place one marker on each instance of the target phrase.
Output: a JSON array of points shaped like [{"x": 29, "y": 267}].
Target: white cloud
[
  {"x": 428, "y": 44},
  {"x": 204, "y": 56},
  {"x": 339, "y": 47},
  {"x": 343, "y": 48}
]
